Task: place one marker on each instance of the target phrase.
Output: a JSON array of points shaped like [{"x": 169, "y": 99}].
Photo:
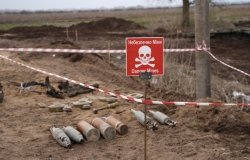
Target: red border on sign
[{"x": 159, "y": 63}]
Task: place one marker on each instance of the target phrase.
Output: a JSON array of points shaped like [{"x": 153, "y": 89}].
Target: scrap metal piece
[
  {"x": 63, "y": 86},
  {"x": 61, "y": 138},
  {"x": 107, "y": 131},
  {"x": 89, "y": 132},
  {"x": 23, "y": 86},
  {"x": 120, "y": 127},
  {"x": 245, "y": 98},
  {"x": 108, "y": 99},
  {"x": 150, "y": 123},
  {"x": 42, "y": 105},
  {"x": 56, "y": 107},
  {"x": 111, "y": 105},
  {"x": 86, "y": 107},
  {"x": 135, "y": 95},
  {"x": 51, "y": 91},
  {"x": 75, "y": 89},
  {"x": 73, "y": 134},
  {"x": 163, "y": 118},
  {"x": 1, "y": 93},
  {"x": 67, "y": 108},
  {"x": 83, "y": 104}
]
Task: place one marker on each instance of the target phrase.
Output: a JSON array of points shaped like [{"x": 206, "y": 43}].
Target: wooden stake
[
  {"x": 76, "y": 35},
  {"x": 109, "y": 52},
  {"x": 67, "y": 32}
]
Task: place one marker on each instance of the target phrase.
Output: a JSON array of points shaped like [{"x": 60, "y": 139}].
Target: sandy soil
[{"x": 201, "y": 133}]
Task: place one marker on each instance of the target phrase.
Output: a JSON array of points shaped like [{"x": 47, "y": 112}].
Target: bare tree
[
  {"x": 203, "y": 87},
  {"x": 185, "y": 22}
]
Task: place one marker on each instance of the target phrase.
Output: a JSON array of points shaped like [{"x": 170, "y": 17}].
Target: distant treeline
[{"x": 101, "y": 9}]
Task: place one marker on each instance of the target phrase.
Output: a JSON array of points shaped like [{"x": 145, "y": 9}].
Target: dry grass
[
  {"x": 179, "y": 67},
  {"x": 222, "y": 17}
]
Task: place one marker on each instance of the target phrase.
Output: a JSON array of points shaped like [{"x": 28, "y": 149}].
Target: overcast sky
[{"x": 86, "y": 4}]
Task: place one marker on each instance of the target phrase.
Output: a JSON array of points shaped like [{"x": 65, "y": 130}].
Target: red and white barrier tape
[
  {"x": 227, "y": 65},
  {"x": 51, "y": 50},
  {"x": 129, "y": 98}
]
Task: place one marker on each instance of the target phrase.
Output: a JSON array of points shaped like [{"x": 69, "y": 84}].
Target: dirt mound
[
  {"x": 242, "y": 23},
  {"x": 36, "y": 31},
  {"x": 108, "y": 24},
  {"x": 93, "y": 28},
  {"x": 221, "y": 120}
]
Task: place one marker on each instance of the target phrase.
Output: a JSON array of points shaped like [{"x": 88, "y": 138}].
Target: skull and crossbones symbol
[{"x": 145, "y": 57}]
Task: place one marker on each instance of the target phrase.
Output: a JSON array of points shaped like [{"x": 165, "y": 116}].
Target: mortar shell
[
  {"x": 61, "y": 138},
  {"x": 159, "y": 116},
  {"x": 139, "y": 116},
  {"x": 90, "y": 133},
  {"x": 73, "y": 134},
  {"x": 107, "y": 131},
  {"x": 120, "y": 127}
]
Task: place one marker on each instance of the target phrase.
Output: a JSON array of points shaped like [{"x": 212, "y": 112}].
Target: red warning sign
[{"x": 144, "y": 54}]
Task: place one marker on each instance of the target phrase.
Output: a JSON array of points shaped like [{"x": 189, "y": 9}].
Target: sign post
[{"x": 144, "y": 58}]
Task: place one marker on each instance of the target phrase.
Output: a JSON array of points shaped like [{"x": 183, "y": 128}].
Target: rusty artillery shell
[
  {"x": 73, "y": 134},
  {"x": 107, "y": 131},
  {"x": 120, "y": 127},
  {"x": 90, "y": 133},
  {"x": 61, "y": 138}
]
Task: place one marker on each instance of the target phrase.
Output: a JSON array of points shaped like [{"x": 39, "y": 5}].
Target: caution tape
[
  {"x": 227, "y": 65},
  {"x": 129, "y": 98},
  {"x": 201, "y": 47},
  {"x": 51, "y": 50}
]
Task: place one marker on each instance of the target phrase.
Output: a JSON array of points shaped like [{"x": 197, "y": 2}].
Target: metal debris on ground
[
  {"x": 89, "y": 132},
  {"x": 107, "y": 131},
  {"x": 107, "y": 99},
  {"x": 83, "y": 103},
  {"x": 75, "y": 89},
  {"x": 136, "y": 95},
  {"x": 110, "y": 106},
  {"x": 240, "y": 95},
  {"x": 120, "y": 127},
  {"x": 67, "y": 108},
  {"x": 24, "y": 86},
  {"x": 56, "y": 107},
  {"x": 151, "y": 124},
  {"x": 86, "y": 107},
  {"x": 42, "y": 105},
  {"x": 73, "y": 134},
  {"x": 1, "y": 93},
  {"x": 61, "y": 138},
  {"x": 163, "y": 118},
  {"x": 113, "y": 105},
  {"x": 51, "y": 91}
]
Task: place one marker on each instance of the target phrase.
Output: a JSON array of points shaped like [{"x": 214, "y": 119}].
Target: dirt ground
[{"x": 201, "y": 133}]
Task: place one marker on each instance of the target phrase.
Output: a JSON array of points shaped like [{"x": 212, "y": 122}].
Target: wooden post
[
  {"x": 67, "y": 33},
  {"x": 76, "y": 35},
  {"x": 203, "y": 86},
  {"x": 109, "y": 43}
]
